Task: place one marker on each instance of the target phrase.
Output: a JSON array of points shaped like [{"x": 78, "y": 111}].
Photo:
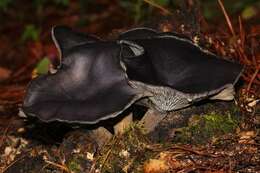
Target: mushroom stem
[{"x": 151, "y": 119}]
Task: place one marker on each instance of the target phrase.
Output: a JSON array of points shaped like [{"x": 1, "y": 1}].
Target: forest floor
[{"x": 215, "y": 137}]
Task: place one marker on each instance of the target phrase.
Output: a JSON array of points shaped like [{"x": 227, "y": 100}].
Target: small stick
[
  {"x": 252, "y": 79},
  {"x": 106, "y": 157},
  {"x": 227, "y": 18},
  {"x": 184, "y": 149},
  {"x": 158, "y": 6},
  {"x": 12, "y": 163},
  {"x": 64, "y": 168},
  {"x": 242, "y": 32},
  {"x": 194, "y": 152}
]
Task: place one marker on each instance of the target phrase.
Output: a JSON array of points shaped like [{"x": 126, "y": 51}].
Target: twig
[
  {"x": 64, "y": 168},
  {"x": 194, "y": 168},
  {"x": 158, "y": 148},
  {"x": 152, "y": 3},
  {"x": 104, "y": 162},
  {"x": 227, "y": 18},
  {"x": 242, "y": 33},
  {"x": 194, "y": 152},
  {"x": 93, "y": 167},
  {"x": 12, "y": 163},
  {"x": 252, "y": 79}
]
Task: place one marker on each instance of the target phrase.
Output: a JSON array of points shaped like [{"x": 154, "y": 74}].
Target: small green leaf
[
  {"x": 43, "y": 66},
  {"x": 249, "y": 12},
  {"x": 30, "y": 33}
]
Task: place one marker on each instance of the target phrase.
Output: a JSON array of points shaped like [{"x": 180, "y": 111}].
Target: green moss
[
  {"x": 218, "y": 124},
  {"x": 74, "y": 165},
  {"x": 202, "y": 128}
]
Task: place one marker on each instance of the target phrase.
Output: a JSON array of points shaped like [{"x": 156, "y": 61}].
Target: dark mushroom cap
[
  {"x": 172, "y": 61},
  {"x": 89, "y": 85}
]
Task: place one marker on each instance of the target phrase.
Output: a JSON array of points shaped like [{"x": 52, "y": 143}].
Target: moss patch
[
  {"x": 202, "y": 128},
  {"x": 74, "y": 166},
  {"x": 79, "y": 163}
]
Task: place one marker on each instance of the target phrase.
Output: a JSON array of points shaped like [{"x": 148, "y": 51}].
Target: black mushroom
[{"x": 97, "y": 79}]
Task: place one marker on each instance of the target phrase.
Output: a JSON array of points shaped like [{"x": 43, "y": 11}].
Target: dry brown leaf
[
  {"x": 247, "y": 137},
  {"x": 155, "y": 166}
]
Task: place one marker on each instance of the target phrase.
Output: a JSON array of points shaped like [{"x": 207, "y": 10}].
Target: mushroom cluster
[{"x": 98, "y": 79}]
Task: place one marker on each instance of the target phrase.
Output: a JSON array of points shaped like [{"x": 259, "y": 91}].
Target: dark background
[
  {"x": 25, "y": 27},
  {"x": 229, "y": 28}
]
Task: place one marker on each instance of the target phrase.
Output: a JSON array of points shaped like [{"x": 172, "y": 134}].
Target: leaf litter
[{"x": 206, "y": 141}]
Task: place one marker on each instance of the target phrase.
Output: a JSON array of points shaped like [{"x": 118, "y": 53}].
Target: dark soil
[{"x": 211, "y": 137}]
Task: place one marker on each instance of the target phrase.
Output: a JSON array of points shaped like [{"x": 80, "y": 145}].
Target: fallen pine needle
[
  {"x": 64, "y": 168},
  {"x": 152, "y": 3},
  {"x": 12, "y": 163},
  {"x": 227, "y": 18},
  {"x": 252, "y": 79}
]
